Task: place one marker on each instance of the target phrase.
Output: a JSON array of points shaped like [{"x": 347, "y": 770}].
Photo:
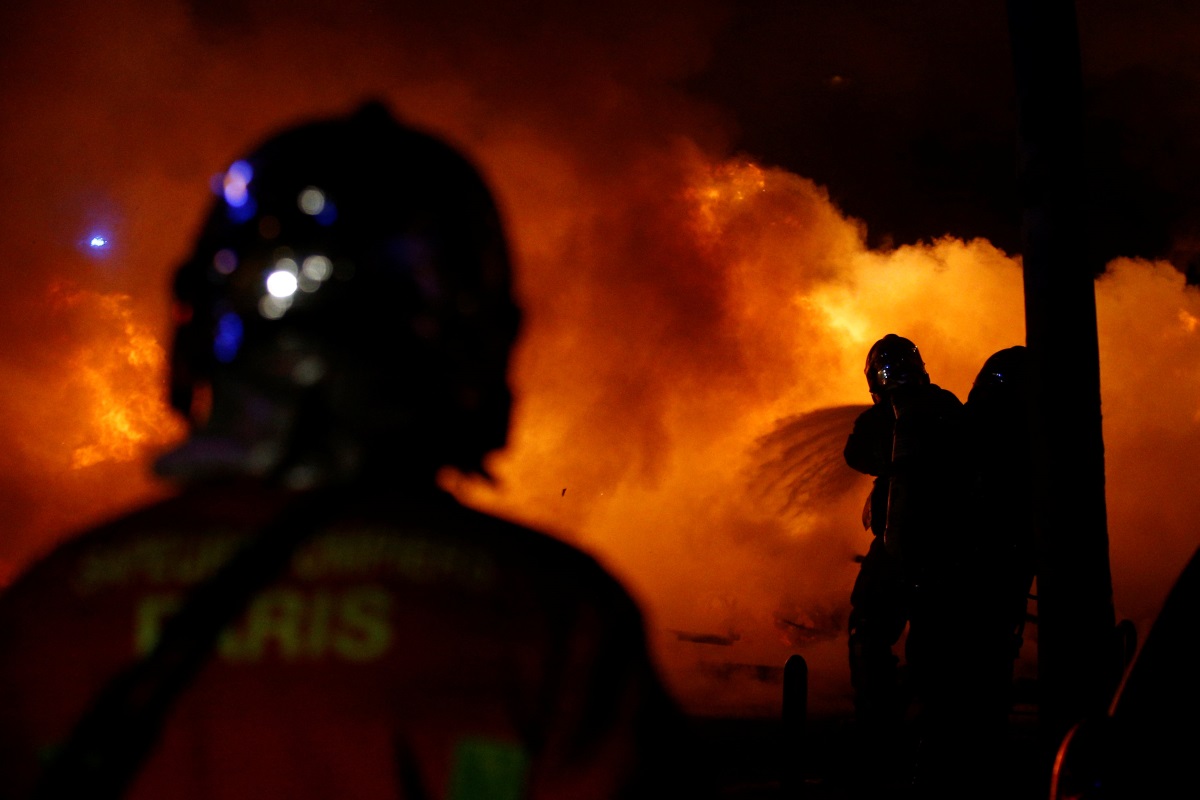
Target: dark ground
[{"x": 754, "y": 762}]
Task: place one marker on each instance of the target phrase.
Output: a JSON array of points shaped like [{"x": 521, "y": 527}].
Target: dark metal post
[
  {"x": 795, "y": 716},
  {"x": 1074, "y": 585}
]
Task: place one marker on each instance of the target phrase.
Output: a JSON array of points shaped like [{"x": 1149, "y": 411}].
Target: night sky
[
  {"x": 906, "y": 111},
  {"x": 715, "y": 208}
]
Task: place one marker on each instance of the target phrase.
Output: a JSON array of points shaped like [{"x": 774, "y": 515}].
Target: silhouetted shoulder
[{"x": 944, "y": 397}]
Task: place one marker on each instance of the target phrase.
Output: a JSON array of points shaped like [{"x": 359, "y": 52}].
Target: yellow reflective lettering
[
  {"x": 320, "y": 613},
  {"x": 364, "y": 627},
  {"x": 152, "y": 611},
  {"x": 274, "y": 616},
  {"x": 232, "y": 644}
]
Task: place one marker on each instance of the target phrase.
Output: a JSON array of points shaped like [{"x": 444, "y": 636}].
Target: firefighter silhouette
[
  {"x": 910, "y": 440},
  {"x": 998, "y": 559},
  {"x": 978, "y": 613},
  {"x": 310, "y": 615},
  {"x": 997, "y": 415}
]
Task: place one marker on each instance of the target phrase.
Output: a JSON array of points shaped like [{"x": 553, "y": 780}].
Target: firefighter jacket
[{"x": 409, "y": 648}]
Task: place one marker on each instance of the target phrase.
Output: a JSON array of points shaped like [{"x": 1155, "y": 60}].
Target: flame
[
  {"x": 683, "y": 396},
  {"x": 683, "y": 440},
  {"x": 694, "y": 326},
  {"x": 682, "y": 399},
  {"x": 693, "y": 443},
  {"x": 691, "y": 359},
  {"x": 718, "y": 193},
  {"x": 84, "y": 406},
  {"x": 117, "y": 374}
]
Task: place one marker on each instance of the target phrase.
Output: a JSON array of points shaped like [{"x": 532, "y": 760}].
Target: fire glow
[
  {"x": 691, "y": 435},
  {"x": 695, "y": 323},
  {"x": 118, "y": 376},
  {"x": 83, "y": 419},
  {"x": 690, "y": 363}
]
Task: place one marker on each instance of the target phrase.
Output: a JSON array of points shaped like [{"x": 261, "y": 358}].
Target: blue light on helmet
[{"x": 228, "y": 338}]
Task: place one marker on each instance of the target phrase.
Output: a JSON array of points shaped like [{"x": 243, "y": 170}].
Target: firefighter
[
  {"x": 997, "y": 414},
  {"x": 909, "y": 440},
  {"x": 309, "y": 614},
  {"x": 976, "y": 617},
  {"x": 1000, "y": 556}
]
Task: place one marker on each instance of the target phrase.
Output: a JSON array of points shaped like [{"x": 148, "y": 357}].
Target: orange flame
[
  {"x": 682, "y": 397},
  {"x": 706, "y": 470},
  {"x": 117, "y": 374},
  {"x": 720, "y": 190}
]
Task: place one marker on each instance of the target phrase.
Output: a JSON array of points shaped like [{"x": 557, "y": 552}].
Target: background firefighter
[{"x": 999, "y": 560}]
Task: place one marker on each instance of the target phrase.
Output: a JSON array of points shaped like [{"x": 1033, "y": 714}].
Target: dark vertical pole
[
  {"x": 795, "y": 717},
  {"x": 1074, "y": 586}
]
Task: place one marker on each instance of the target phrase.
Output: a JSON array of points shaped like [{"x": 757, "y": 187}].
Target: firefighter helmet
[
  {"x": 349, "y": 291},
  {"x": 1004, "y": 372},
  {"x": 893, "y": 361}
]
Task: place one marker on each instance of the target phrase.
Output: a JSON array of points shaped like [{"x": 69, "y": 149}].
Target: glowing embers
[
  {"x": 721, "y": 190},
  {"x": 286, "y": 278}
]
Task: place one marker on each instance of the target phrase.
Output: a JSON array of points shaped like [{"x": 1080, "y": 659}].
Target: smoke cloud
[{"x": 697, "y": 309}]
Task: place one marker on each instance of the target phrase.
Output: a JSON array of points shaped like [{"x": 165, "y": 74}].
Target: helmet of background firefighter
[
  {"x": 346, "y": 308},
  {"x": 893, "y": 361},
  {"x": 1002, "y": 374}
]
